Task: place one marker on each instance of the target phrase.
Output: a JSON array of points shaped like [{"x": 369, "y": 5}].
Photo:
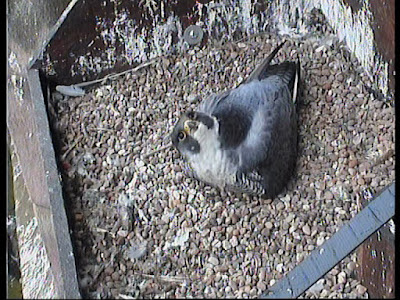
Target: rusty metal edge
[{"x": 343, "y": 242}]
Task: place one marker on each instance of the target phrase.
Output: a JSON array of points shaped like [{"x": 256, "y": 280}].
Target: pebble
[
  {"x": 341, "y": 277},
  {"x": 262, "y": 275},
  {"x": 306, "y": 229},
  {"x": 192, "y": 98},
  {"x": 324, "y": 293},
  {"x": 226, "y": 245},
  {"x": 279, "y": 267},
  {"x": 280, "y": 205},
  {"x": 213, "y": 260},
  {"x": 269, "y": 225},
  {"x": 353, "y": 163},
  {"x": 317, "y": 287},
  {"x": 361, "y": 290},
  {"x": 289, "y": 218},
  {"x": 328, "y": 195},
  {"x": 265, "y": 232},
  {"x": 320, "y": 240},
  {"x": 115, "y": 276},
  {"x": 234, "y": 218},
  {"x": 351, "y": 266},
  {"x": 123, "y": 233},
  {"x": 234, "y": 241},
  {"x": 78, "y": 217},
  {"x": 261, "y": 286},
  {"x": 108, "y": 270}
]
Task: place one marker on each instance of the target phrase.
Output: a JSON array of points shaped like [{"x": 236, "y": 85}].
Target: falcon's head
[{"x": 192, "y": 131}]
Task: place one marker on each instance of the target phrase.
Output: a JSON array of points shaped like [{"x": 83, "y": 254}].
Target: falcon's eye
[
  {"x": 191, "y": 115},
  {"x": 181, "y": 136}
]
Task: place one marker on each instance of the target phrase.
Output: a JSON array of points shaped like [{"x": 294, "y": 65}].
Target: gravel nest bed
[{"x": 141, "y": 228}]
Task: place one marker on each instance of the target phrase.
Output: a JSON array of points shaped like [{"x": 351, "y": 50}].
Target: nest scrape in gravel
[{"x": 141, "y": 228}]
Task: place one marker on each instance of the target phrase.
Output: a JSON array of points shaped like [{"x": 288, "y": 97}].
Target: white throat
[{"x": 211, "y": 163}]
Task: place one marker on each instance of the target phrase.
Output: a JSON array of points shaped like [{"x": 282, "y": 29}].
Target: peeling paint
[
  {"x": 37, "y": 278},
  {"x": 353, "y": 28},
  {"x": 123, "y": 36},
  {"x": 16, "y": 80}
]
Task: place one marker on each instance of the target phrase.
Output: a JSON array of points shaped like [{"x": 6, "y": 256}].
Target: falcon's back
[{"x": 258, "y": 122}]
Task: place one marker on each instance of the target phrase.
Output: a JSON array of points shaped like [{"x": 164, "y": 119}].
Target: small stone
[
  {"x": 123, "y": 268},
  {"x": 337, "y": 287},
  {"x": 324, "y": 293},
  {"x": 317, "y": 287},
  {"x": 269, "y": 225},
  {"x": 279, "y": 267},
  {"x": 341, "y": 277},
  {"x": 192, "y": 98},
  {"x": 261, "y": 275},
  {"x": 115, "y": 276},
  {"x": 216, "y": 243},
  {"x": 375, "y": 182},
  {"x": 306, "y": 229},
  {"x": 289, "y": 218},
  {"x": 320, "y": 240},
  {"x": 233, "y": 285},
  {"x": 334, "y": 272},
  {"x": 108, "y": 271},
  {"x": 194, "y": 251},
  {"x": 234, "y": 218},
  {"x": 247, "y": 289},
  {"x": 310, "y": 247},
  {"x": 280, "y": 205},
  {"x": 361, "y": 290},
  {"x": 327, "y": 86},
  {"x": 353, "y": 163},
  {"x": 339, "y": 77},
  {"x": 351, "y": 266},
  {"x": 261, "y": 286},
  {"x": 122, "y": 233},
  {"x": 355, "y": 90},
  {"x": 213, "y": 260},
  {"x": 272, "y": 282},
  {"x": 226, "y": 245},
  {"x": 361, "y": 181},
  {"x": 328, "y": 195},
  {"x": 364, "y": 167},
  {"x": 78, "y": 217},
  {"x": 235, "y": 232},
  {"x": 234, "y": 241},
  {"x": 265, "y": 232}
]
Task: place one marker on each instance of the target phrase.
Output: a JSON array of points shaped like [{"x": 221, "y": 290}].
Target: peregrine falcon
[{"x": 245, "y": 139}]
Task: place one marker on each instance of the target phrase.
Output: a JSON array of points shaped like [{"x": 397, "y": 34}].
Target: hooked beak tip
[{"x": 187, "y": 127}]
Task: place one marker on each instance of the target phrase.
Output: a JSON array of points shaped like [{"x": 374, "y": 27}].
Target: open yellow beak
[{"x": 188, "y": 126}]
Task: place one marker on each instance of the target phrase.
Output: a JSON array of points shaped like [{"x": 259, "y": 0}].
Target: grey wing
[
  {"x": 233, "y": 117},
  {"x": 209, "y": 104},
  {"x": 251, "y": 118},
  {"x": 273, "y": 116},
  {"x": 259, "y": 72}
]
